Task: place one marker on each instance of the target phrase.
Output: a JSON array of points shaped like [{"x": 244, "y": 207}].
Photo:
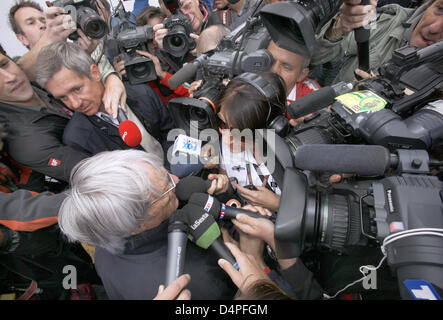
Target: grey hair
[
  {"x": 109, "y": 198},
  {"x": 56, "y": 55}
]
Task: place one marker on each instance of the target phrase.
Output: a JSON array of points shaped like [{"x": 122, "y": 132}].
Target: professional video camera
[
  {"x": 293, "y": 24},
  {"x": 387, "y": 110},
  {"x": 242, "y": 50},
  {"x": 85, "y": 14},
  {"x": 177, "y": 41},
  {"x": 126, "y": 39},
  {"x": 402, "y": 213}
]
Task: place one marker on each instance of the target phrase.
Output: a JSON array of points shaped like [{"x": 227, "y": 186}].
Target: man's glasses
[{"x": 172, "y": 186}]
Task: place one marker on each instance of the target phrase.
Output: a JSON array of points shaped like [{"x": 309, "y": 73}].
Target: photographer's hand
[
  {"x": 86, "y": 43},
  {"x": 259, "y": 228},
  {"x": 195, "y": 37},
  {"x": 194, "y": 87},
  {"x": 158, "y": 68},
  {"x": 261, "y": 197},
  {"x": 59, "y": 26},
  {"x": 119, "y": 66},
  {"x": 220, "y": 183},
  {"x": 114, "y": 95},
  {"x": 352, "y": 16},
  {"x": 159, "y": 33}
]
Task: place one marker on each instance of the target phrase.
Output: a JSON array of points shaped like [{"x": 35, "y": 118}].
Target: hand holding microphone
[
  {"x": 247, "y": 272},
  {"x": 220, "y": 210}
]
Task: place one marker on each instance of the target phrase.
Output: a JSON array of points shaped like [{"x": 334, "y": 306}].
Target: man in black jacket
[
  {"x": 35, "y": 123},
  {"x": 70, "y": 75},
  {"x": 133, "y": 196}
]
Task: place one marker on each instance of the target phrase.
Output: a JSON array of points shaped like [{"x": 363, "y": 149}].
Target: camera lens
[
  {"x": 91, "y": 23},
  {"x": 139, "y": 70},
  {"x": 331, "y": 221},
  {"x": 176, "y": 41}
]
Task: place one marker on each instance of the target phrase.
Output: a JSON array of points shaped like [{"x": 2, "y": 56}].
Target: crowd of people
[{"x": 72, "y": 192}]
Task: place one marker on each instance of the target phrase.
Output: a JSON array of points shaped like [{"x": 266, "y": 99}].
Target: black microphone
[
  {"x": 364, "y": 160},
  {"x": 205, "y": 232},
  {"x": 362, "y": 38},
  {"x": 177, "y": 241},
  {"x": 189, "y": 185},
  {"x": 219, "y": 210},
  {"x": 318, "y": 99}
]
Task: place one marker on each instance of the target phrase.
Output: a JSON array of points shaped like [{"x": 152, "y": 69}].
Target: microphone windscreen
[
  {"x": 364, "y": 160},
  {"x": 312, "y": 102},
  {"x": 183, "y": 75},
  {"x": 189, "y": 185},
  {"x": 130, "y": 133},
  {"x": 202, "y": 226},
  {"x": 207, "y": 202},
  {"x": 183, "y": 165}
]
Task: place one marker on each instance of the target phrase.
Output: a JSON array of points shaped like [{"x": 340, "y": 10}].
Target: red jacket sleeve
[{"x": 179, "y": 92}]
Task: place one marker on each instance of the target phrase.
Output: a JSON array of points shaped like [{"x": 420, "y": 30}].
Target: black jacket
[
  {"x": 137, "y": 273},
  {"x": 35, "y": 137}
]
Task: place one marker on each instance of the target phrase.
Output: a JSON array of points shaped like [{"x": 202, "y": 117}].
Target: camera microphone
[
  {"x": 185, "y": 74},
  {"x": 129, "y": 132},
  {"x": 364, "y": 160},
  {"x": 318, "y": 99}
]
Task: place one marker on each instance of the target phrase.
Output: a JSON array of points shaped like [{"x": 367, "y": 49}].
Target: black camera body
[
  {"x": 402, "y": 213},
  {"x": 85, "y": 14},
  {"x": 125, "y": 41},
  {"x": 242, "y": 50},
  {"x": 293, "y": 24},
  {"x": 402, "y": 108},
  {"x": 177, "y": 41}
]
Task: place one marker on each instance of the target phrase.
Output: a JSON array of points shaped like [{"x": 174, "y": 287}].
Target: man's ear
[
  {"x": 303, "y": 74},
  {"x": 95, "y": 72},
  {"x": 22, "y": 38}
]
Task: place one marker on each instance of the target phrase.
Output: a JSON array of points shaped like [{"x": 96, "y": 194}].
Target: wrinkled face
[
  {"x": 429, "y": 29},
  {"x": 32, "y": 22},
  {"x": 15, "y": 87},
  {"x": 190, "y": 8},
  {"x": 162, "y": 207},
  {"x": 78, "y": 92},
  {"x": 287, "y": 65}
]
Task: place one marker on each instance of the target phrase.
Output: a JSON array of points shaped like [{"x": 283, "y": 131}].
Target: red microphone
[{"x": 129, "y": 132}]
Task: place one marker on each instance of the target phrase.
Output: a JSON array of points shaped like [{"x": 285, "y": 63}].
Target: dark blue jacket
[{"x": 91, "y": 134}]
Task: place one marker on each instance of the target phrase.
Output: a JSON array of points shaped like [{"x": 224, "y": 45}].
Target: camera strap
[
  {"x": 166, "y": 60},
  {"x": 262, "y": 177}
]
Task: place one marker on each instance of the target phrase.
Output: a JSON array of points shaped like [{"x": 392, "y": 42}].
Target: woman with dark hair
[{"x": 250, "y": 102}]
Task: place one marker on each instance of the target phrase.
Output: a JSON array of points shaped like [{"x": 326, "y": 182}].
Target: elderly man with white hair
[{"x": 120, "y": 202}]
